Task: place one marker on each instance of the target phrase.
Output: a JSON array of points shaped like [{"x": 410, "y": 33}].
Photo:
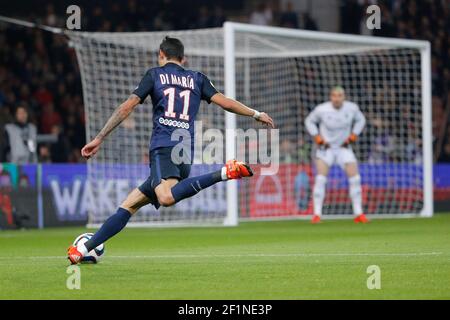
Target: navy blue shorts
[{"x": 162, "y": 167}]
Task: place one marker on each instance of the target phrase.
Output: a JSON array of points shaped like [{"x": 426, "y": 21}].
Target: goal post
[
  {"x": 425, "y": 59},
  {"x": 230, "y": 121},
  {"x": 284, "y": 72}
]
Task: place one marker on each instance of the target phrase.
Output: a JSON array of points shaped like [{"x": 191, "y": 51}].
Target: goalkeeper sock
[
  {"x": 355, "y": 194},
  {"x": 319, "y": 193},
  {"x": 111, "y": 227},
  {"x": 191, "y": 186}
]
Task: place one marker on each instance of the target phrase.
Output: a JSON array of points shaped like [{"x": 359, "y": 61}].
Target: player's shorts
[
  {"x": 340, "y": 156},
  {"x": 162, "y": 167}
]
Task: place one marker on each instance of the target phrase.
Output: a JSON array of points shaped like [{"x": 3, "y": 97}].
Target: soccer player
[
  {"x": 176, "y": 93},
  {"x": 335, "y": 126}
]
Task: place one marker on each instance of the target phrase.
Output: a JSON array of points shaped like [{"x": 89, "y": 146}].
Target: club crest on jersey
[{"x": 173, "y": 79}]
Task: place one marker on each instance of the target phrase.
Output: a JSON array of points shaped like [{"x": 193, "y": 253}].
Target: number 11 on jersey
[{"x": 170, "y": 113}]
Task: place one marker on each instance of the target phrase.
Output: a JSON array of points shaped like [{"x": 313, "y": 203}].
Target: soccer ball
[{"x": 95, "y": 255}]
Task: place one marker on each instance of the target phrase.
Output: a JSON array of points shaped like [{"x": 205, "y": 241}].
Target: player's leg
[
  {"x": 172, "y": 190},
  {"x": 135, "y": 200},
  {"x": 350, "y": 166},
  {"x": 164, "y": 191},
  {"x": 165, "y": 175},
  {"x": 113, "y": 225},
  {"x": 323, "y": 163},
  {"x": 162, "y": 187}
]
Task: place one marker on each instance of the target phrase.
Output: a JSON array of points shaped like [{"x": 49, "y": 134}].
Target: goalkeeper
[{"x": 335, "y": 126}]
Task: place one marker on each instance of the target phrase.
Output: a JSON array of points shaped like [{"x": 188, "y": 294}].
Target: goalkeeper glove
[
  {"x": 320, "y": 141},
  {"x": 351, "y": 139}
]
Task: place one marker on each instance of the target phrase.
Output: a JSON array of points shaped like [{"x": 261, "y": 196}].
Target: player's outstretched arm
[
  {"x": 120, "y": 114},
  {"x": 234, "y": 106}
]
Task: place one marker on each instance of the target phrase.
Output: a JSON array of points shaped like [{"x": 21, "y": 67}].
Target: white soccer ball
[{"x": 95, "y": 255}]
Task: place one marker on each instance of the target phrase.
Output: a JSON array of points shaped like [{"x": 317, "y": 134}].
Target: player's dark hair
[{"x": 173, "y": 48}]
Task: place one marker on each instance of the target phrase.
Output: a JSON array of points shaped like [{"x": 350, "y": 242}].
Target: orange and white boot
[
  {"x": 237, "y": 169},
  {"x": 361, "y": 219},
  {"x": 315, "y": 219},
  {"x": 74, "y": 255}
]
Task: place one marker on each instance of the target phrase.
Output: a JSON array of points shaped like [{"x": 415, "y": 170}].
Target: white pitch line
[
  {"x": 256, "y": 255},
  {"x": 244, "y": 255}
]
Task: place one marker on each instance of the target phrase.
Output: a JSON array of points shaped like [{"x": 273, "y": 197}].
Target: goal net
[{"x": 282, "y": 72}]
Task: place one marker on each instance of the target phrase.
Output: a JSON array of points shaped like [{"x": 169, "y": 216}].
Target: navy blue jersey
[{"x": 176, "y": 94}]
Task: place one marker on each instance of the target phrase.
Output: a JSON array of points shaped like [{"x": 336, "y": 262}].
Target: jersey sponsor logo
[{"x": 174, "y": 123}]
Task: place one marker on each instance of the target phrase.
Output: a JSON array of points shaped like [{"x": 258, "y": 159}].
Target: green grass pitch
[{"x": 257, "y": 260}]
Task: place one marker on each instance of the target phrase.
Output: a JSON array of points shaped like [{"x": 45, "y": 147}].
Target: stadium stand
[{"x": 39, "y": 70}]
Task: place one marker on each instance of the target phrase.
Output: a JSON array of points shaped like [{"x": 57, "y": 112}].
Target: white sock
[
  {"x": 224, "y": 173},
  {"x": 319, "y": 193},
  {"x": 355, "y": 194}
]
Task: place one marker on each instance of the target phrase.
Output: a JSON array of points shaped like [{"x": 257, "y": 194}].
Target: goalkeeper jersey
[
  {"x": 335, "y": 125},
  {"x": 176, "y": 94}
]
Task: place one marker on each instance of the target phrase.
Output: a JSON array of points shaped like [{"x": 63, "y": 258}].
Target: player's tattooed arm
[{"x": 120, "y": 114}]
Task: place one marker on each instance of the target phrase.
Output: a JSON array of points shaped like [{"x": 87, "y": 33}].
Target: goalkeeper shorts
[{"x": 340, "y": 156}]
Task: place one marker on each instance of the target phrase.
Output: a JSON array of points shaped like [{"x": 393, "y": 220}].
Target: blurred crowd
[
  {"x": 427, "y": 20},
  {"x": 40, "y": 79},
  {"x": 39, "y": 76}
]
